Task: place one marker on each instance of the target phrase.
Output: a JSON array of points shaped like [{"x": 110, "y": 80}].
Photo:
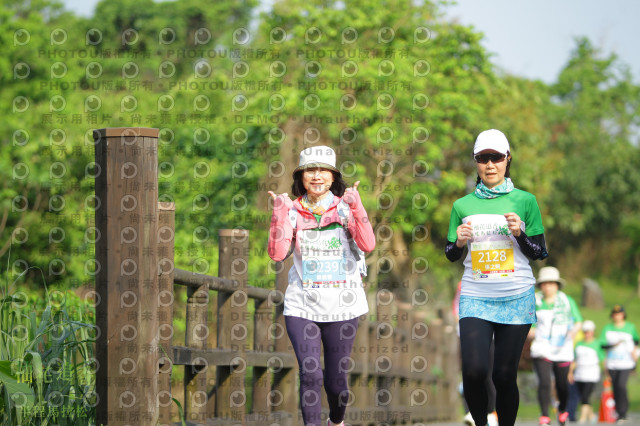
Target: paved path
[{"x": 634, "y": 420}]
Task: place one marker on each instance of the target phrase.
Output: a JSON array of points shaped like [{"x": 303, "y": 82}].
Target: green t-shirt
[
  {"x": 522, "y": 203},
  {"x": 621, "y": 342},
  {"x": 495, "y": 266}
]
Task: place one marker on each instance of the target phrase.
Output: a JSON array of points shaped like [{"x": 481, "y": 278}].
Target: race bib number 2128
[{"x": 492, "y": 258}]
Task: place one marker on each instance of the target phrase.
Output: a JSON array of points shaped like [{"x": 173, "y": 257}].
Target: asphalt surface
[{"x": 634, "y": 420}]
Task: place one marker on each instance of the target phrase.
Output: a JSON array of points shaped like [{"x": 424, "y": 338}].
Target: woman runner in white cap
[
  {"x": 327, "y": 229},
  {"x": 585, "y": 370},
  {"x": 501, "y": 227}
]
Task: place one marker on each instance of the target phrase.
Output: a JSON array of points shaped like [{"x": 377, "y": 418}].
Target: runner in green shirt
[{"x": 501, "y": 227}]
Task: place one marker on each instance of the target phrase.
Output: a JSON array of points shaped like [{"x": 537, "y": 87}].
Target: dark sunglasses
[{"x": 494, "y": 158}]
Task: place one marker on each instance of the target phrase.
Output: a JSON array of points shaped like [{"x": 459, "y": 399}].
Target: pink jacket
[{"x": 281, "y": 231}]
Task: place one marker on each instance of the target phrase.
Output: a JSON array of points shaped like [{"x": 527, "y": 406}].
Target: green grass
[{"x": 47, "y": 364}]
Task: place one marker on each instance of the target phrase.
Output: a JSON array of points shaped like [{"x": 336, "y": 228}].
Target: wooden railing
[{"x": 244, "y": 370}]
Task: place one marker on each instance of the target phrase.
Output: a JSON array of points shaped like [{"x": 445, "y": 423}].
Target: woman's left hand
[
  {"x": 514, "y": 222},
  {"x": 351, "y": 195}
]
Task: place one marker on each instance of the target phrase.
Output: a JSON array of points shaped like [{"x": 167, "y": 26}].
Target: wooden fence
[{"x": 239, "y": 368}]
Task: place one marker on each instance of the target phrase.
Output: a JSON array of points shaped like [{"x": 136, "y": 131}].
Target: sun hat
[
  {"x": 588, "y": 325},
  {"x": 491, "y": 139},
  {"x": 549, "y": 274},
  {"x": 317, "y": 156}
]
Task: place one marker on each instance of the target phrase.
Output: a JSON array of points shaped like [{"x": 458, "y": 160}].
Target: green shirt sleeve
[
  {"x": 533, "y": 218},
  {"x": 454, "y": 222},
  {"x": 575, "y": 312},
  {"x": 601, "y": 354},
  {"x": 634, "y": 333}
]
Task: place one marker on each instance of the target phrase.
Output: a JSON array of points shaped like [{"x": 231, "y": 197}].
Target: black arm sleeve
[
  {"x": 452, "y": 251},
  {"x": 533, "y": 247}
]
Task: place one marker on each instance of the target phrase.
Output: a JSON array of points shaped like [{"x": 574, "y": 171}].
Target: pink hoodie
[{"x": 281, "y": 231}]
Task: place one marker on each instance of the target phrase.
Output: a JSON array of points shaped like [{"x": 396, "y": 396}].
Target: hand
[
  {"x": 464, "y": 234},
  {"x": 351, "y": 195},
  {"x": 570, "y": 377},
  {"x": 513, "y": 222},
  {"x": 280, "y": 201}
]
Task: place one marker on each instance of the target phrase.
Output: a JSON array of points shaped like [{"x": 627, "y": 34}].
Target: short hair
[{"x": 337, "y": 187}]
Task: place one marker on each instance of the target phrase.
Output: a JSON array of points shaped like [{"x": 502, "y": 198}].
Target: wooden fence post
[
  {"x": 126, "y": 190},
  {"x": 231, "y": 398},
  {"x": 262, "y": 342},
  {"x": 383, "y": 363},
  {"x": 284, "y": 395},
  {"x": 197, "y": 333},
  {"x": 166, "y": 266},
  {"x": 403, "y": 358}
]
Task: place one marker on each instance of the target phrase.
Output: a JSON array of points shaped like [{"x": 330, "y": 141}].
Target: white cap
[
  {"x": 317, "y": 156},
  {"x": 491, "y": 139},
  {"x": 588, "y": 325}
]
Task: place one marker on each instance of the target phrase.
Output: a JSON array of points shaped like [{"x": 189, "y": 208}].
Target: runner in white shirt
[{"x": 585, "y": 369}]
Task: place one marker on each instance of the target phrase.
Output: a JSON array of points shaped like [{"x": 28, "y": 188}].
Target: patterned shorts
[{"x": 516, "y": 309}]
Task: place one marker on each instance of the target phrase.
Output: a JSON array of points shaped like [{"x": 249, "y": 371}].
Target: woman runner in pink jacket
[{"x": 327, "y": 230}]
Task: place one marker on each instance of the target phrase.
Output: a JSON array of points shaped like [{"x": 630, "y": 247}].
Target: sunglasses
[{"x": 494, "y": 158}]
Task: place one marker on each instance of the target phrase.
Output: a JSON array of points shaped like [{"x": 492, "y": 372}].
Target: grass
[{"x": 47, "y": 364}]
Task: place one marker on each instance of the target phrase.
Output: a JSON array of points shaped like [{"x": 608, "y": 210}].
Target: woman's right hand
[
  {"x": 280, "y": 201},
  {"x": 464, "y": 234}
]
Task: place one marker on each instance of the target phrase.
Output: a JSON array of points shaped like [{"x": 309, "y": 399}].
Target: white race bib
[{"x": 324, "y": 263}]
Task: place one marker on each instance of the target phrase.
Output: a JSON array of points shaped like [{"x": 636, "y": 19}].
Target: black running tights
[
  {"x": 619, "y": 380},
  {"x": 475, "y": 339}
]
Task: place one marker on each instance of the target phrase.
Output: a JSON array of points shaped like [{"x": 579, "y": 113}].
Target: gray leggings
[{"x": 337, "y": 340}]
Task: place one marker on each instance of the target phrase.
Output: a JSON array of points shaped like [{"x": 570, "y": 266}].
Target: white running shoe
[
  {"x": 468, "y": 420},
  {"x": 492, "y": 419}
]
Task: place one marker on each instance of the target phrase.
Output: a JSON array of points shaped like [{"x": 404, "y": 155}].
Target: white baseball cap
[
  {"x": 491, "y": 139},
  {"x": 588, "y": 325},
  {"x": 317, "y": 156}
]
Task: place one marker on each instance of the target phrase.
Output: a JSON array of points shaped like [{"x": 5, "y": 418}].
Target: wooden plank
[
  {"x": 232, "y": 328},
  {"x": 127, "y": 282},
  {"x": 383, "y": 362},
  {"x": 125, "y": 132},
  {"x": 283, "y": 396},
  {"x": 262, "y": 344},
  {"x": 218, "y": 356},
  {"x": 197, "y": 332},
  {"x": 166, "y": 233}
]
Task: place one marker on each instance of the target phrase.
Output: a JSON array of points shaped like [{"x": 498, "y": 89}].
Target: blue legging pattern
[{"x": 337, "y": 340}]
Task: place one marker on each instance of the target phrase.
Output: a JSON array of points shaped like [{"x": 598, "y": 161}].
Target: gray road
[{"x": 633, "y": 421}]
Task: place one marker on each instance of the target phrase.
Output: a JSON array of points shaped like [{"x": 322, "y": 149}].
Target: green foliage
[{"x": 398, "y": 91}]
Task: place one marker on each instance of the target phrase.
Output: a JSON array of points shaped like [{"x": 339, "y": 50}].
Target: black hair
[
  {"x": 337, "y": 187},
  {"x": 506, "y": 172}
]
